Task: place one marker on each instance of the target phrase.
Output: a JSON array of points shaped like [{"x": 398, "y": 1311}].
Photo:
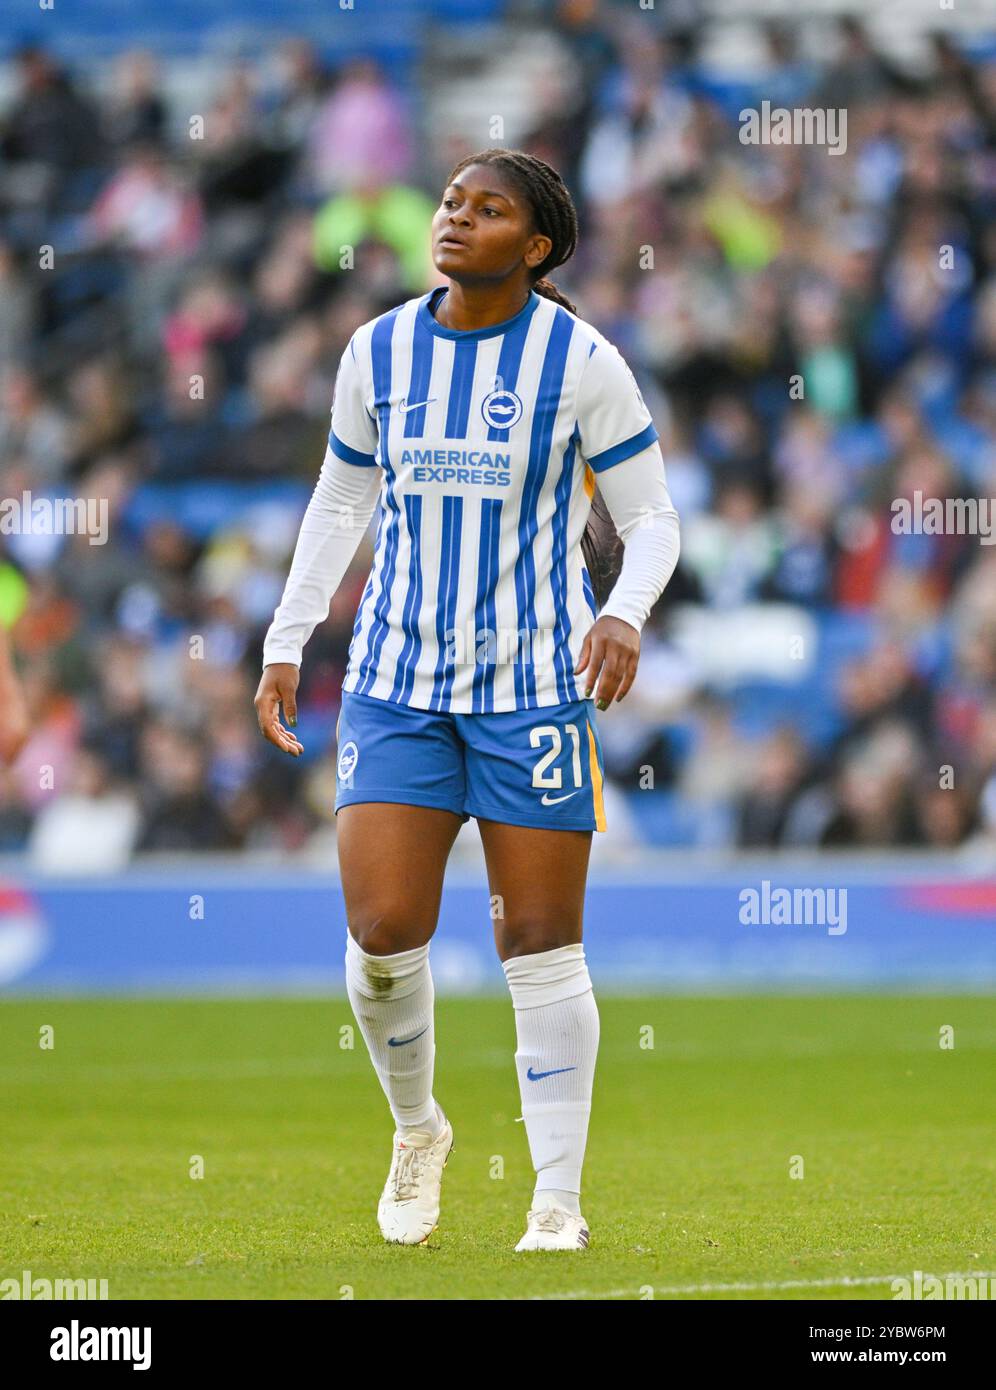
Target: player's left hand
[{"x": 611, "y": 650}]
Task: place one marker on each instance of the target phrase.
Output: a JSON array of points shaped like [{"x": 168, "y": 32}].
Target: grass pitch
[{"x": 687, "y": 1181}]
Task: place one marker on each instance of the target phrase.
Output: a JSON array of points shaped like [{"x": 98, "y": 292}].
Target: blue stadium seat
[
  {"x": 810, "y": 706},
  {"x": 388, "y": 29},
  {"x": 663, "y": 817},
  {"x": 204, "y": 507}
]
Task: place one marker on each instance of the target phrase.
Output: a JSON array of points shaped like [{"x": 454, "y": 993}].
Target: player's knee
[
  {"x": 528, "y": 936},
  {"x": 386, "y": 932}
]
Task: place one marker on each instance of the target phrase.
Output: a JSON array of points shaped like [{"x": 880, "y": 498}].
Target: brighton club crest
[{"x": 501, "y": 409}]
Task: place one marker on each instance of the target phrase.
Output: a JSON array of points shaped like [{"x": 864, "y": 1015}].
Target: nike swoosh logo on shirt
[
  {"x": 405, "y": 406},
  {"x": 547, "y": 800}
]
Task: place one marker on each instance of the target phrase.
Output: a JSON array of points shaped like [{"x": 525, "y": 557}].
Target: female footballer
[{"x": 480, "y": 416}]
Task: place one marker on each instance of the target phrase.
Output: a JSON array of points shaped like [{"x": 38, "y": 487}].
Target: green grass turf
[{"x": 686, "y": 1183}]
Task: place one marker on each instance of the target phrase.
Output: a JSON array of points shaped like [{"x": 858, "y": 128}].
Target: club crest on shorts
[
  {"x": 501, "y": 409},
  {"x": 348, "y": 757}
]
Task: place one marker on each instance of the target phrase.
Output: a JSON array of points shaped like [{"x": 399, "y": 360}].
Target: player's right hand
[{"x": 278, "y": 686}]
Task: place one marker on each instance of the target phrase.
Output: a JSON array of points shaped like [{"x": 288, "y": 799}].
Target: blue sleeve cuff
[
  {"x": 348, "y": 455},
  {"x": 634, "y": 445}
]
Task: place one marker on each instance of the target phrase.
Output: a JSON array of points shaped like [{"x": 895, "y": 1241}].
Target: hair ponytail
[
  {"x": 600, "y": 542},
  {"x": 601, "y": 549},
  {"x": 548, "y": 290}
]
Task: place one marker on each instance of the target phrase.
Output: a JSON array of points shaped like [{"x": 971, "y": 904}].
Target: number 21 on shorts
[{"x": 552, "y": 779}]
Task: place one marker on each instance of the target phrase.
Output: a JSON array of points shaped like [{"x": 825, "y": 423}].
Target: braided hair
[{"x": 555, "y": 216}]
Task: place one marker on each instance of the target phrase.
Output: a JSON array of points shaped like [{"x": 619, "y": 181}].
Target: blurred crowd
[{"x": 815, "y": 334}]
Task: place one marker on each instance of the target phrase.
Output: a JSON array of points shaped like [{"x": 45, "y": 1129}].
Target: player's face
[{"x": 482, "y": 229}]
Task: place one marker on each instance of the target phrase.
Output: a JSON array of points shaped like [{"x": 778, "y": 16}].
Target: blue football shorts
[{"x": 537, "y": 767}]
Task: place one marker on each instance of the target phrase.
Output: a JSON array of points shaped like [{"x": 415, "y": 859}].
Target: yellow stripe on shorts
[{"x": 596, "y": 780}]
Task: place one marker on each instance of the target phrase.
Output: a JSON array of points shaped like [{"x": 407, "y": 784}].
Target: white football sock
[
  {"x": 392, "y": 998},
  {"x": 557, "y": 1197},
  {"x": 557, "y": 1028}
]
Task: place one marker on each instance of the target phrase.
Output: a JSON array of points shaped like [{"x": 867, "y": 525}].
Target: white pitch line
[{"x": 770, "y": 1286}]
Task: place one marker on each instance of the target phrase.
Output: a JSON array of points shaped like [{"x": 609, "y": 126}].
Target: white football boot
[
  {"x": 553, "y": 1228},
  {"x": 408, "y": 1211}
]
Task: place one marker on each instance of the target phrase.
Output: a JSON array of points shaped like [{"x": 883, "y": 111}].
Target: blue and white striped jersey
[{"x": 489, "y": 440}]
